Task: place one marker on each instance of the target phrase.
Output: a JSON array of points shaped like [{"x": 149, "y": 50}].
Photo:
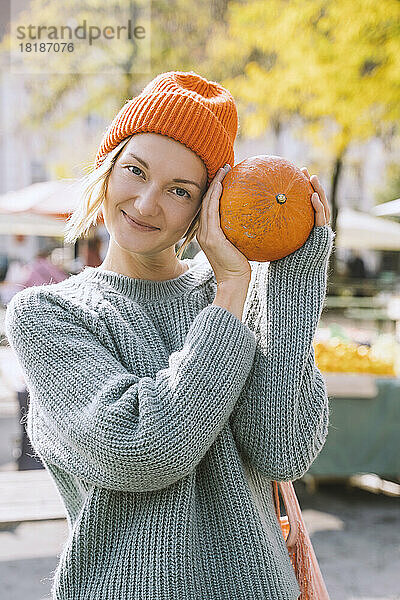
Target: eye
[
  {"x": 177, "y": 188},
  {"x": 134, "y": 167},
  {"x": 182, "y": 190}
]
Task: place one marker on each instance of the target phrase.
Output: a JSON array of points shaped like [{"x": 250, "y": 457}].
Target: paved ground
[{"x": 356, "y": 538}]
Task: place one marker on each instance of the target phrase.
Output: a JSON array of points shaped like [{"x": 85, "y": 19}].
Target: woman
[{"x": 161, "y": 412}]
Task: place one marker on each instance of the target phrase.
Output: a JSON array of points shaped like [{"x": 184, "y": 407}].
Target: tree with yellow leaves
[
  {"x": 97, "y": 78},
  {"x": 330, "y": 66},
  {"x": 335, "y": 66}
]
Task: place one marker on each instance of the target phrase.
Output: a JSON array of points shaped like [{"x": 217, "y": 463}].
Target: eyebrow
[{"x": 144, "y": 163}]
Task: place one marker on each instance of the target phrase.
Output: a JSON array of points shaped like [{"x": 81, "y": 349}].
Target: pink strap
[{"x": 292, "y": 508}]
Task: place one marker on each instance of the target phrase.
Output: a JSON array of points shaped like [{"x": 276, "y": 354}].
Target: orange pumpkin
[{"x": 265, "y": 207}]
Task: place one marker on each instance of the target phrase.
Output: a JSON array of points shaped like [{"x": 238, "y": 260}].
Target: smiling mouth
[{"x": 139, "y": 224}]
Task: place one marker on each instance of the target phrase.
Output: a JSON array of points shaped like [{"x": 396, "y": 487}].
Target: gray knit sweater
[{"x": 163, "y": 418}]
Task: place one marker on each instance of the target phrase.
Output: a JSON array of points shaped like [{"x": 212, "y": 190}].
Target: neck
[{"x": 158, "y": 267}]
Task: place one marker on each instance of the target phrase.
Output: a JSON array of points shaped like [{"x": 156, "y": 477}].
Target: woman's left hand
[{"x": 319, "y": 200}]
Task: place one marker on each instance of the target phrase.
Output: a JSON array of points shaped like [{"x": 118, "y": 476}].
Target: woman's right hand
[{"x": 227, "y": 262}]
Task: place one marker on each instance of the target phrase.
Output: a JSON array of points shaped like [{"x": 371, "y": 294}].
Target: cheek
[
  {"x": 114, "y": 191},
  {"x": 183, "y": 217},
  {"x": 190, "y": 212},
  {"x": 112, "y": 197}
]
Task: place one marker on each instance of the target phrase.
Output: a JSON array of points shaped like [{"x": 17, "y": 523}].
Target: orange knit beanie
[{"x": 186, "y": 107}]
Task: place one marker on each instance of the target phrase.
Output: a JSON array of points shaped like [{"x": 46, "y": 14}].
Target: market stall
[
  {"x": 363, "y": 384},
  {"x": 364, "y": 427}
]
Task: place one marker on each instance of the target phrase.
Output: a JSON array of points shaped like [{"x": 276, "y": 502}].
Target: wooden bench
[{"x": 29, "y": 496}]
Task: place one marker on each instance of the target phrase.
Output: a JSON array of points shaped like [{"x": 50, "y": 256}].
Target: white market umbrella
[
  {"x": 31, "y": 224},
  {"x": 362, "y": 230},
  {"x": 387, "y": 208},
  {"x": 51, "y": 198}
]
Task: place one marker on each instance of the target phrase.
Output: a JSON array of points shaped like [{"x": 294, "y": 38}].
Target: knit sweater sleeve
[
  {"x": 281, "y": 421},
  {"x": 95, "y": 419}
]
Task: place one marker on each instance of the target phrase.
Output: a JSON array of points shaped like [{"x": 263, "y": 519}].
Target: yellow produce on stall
[{"x": 338, "y": 355}]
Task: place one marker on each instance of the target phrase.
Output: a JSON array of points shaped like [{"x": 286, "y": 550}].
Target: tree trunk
[{"x": 334, "y": 207}]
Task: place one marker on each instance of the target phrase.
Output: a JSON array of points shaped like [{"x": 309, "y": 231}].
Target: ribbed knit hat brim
[{"x": 198, "y": 113}]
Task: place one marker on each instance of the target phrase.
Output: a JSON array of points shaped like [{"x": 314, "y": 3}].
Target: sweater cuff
[{"x": 312, "y": 254}]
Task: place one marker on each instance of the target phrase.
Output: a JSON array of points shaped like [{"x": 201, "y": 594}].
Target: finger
[
  {"x": 205, "y": 205},
  {"x": 213, "y": 218},
  {"x": 209, "y": 195},
  {"x": 213, "y": 215},
  {"x": 320, "y": 213},
  {"x": 317, "y": 209},
  {"x": 317, "y": 186},
  {"x": 220, "y": 174},
  {"x": 206, "y": 211},
  {"x": 321, "y": 192},
  {"x": 322, "y": 206}
]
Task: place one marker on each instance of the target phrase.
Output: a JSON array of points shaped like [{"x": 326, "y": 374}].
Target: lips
[{"x": 138, "y": 222}]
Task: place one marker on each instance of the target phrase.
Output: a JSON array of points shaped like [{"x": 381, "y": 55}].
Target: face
[{"x": 159, "y": 182}]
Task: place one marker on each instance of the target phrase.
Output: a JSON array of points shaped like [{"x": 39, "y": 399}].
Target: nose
[{"x": 146, "y": 202}]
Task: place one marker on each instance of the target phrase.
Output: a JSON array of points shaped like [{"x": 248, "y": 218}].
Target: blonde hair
[{"x": 94, "y": 187}]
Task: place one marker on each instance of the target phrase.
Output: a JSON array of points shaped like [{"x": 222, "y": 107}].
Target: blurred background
[{"x": 316, "y": 82}]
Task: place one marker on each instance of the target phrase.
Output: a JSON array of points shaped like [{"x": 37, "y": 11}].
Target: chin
[
  {"x": 138, "y": 242},
  {"x": 130, "y": 244}
]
